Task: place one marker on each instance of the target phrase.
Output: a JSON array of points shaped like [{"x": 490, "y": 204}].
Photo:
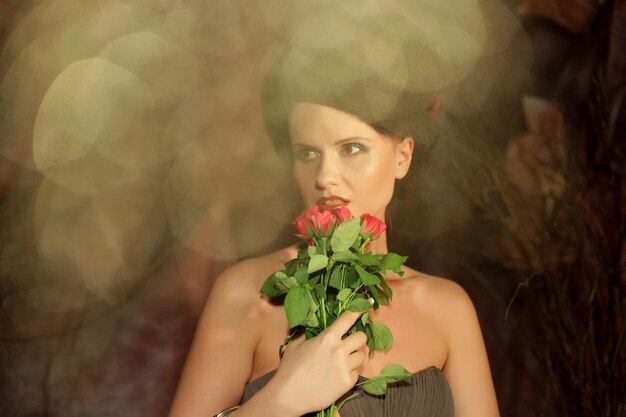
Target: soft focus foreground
[{"x": 134, "y": 167}]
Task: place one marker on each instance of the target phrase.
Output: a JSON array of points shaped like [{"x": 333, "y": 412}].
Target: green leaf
[
  {"x": 394, "y": 372},
  {"x": 375, "y": 386},
  {"x": 364, "y": 318},
  {"x": 291, "y": 266},
  {"x": 370, "y": 339},
  {"x": 301, "y": 275},
  {"x": 330, "y": 317},
  {"x": 344, "y": 294},
  {"x": 360, "y": 305},
  {"x": 332, "y": 308},
  {"x": 297, "y": 305},
  {"x": 381, "y": 335},
  {"x": 359, "y": 295},
  {"x": 375, "y": 295},
  {"x": 311, "y": 320},
  {"x": 351, "y": 279},
  {"x": 277, "y": 284},
  {"x": 268, "y": 289},
  {"x": 345, "y": 235},
  {"x": 317, "y": 263},
  {"x": 282, "y": 282},
  {"x": 280, "y": 276},
  {"x": 358, "y": 327},
  {"x": 310, "y": 332},
  {"x": 315, "y": 278},
  {"x": 382, "y": 296},
  {"x": 393, "y": 262},
  {"x": 367, "y": 278},
  {"x": 319, "y": 290},
  {"x": 314, "y": 250},
  {"x": 314, "y": 304},
  {"x": 335, "y": 278},
  {"x": 369, "y": 259},
  {"x": 344, "y": 256},
  {"x": 387, "y": 288},
  {"x": 390, "y": 374}
]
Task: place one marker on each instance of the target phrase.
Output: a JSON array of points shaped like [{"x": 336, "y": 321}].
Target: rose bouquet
[{"x": 337, "y": 272}]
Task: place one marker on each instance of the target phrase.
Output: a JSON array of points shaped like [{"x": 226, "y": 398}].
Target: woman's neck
[{"x": 379, "y": 245}]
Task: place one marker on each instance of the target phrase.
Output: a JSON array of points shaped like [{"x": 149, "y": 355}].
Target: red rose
[
  {"x": 343, "y": 214},
  {"x": 318, "y": 221},
  {"x": 372, "y": 226},
  {"x": 300, "y": 224}
]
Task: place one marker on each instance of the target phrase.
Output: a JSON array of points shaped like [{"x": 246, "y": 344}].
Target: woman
[
  {"x": 351, "y": 130},
  {"x": 338, "y": 160}
]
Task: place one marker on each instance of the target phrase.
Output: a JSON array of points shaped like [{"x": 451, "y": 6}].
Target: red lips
[{"x": 332, "y": 202}]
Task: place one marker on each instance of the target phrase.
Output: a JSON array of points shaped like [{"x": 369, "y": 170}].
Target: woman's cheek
[
  {"x": 360, "y": 164},
  {"x": 305, "y": 180},
  {"x": 369, "y": 171}
]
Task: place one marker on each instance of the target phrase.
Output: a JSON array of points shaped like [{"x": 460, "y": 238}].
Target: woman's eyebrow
[
  {"x": 302, "y": 145},
  {"x": 352, "y": 138},
  {"x": 338, "y": 142}
]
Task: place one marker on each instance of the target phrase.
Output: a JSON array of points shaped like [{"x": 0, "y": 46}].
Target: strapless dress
[{"x": 425, "y": 394}]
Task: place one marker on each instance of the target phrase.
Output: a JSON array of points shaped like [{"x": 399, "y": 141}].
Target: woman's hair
[
  {"x": 319, "y": 78},
  {"x": 384, "y": 61}
]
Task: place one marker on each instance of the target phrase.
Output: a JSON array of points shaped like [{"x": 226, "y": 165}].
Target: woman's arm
[
  {"x": 467, "y": 366},
  {"x": 310, "y": 377},
  {"x": 313, "y": 373},
  {"x": 220, "y": 359}
]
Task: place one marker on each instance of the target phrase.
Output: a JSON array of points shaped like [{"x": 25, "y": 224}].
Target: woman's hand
[{"x": 315, "y": 373}]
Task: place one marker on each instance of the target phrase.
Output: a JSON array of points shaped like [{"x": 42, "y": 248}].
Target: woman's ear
[{"x": 404, "y": 154}]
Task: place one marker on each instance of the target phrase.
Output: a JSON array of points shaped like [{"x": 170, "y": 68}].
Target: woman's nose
[{"x": 327, "y": 173}]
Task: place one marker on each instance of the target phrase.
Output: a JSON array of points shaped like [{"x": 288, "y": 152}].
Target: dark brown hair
[{"x": 389, "y": 109}]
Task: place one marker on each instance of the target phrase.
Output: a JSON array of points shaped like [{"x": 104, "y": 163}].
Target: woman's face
[{"x": 340, "y": 160}]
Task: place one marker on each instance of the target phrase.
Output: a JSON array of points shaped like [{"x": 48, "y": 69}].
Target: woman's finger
[
  {"x": 365, "y": 349},
  {"x": 298, "y": 340},
  {"x": 356, "y": 360},
  {"x": 354, "y": 375},
  {"x": 343, "y": 323},
  {"x": 293, "y": 343},
  {"x": 354, "y": 342}
]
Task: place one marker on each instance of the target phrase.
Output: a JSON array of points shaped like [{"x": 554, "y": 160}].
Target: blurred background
[{"x": 135, "y": 167}]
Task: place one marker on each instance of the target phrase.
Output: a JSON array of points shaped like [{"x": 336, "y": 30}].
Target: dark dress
[{"x": 425, "y": 394}]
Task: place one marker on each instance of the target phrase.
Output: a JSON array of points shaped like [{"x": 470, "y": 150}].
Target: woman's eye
[
  {"x": 352, "y": 148},
  {"x": 305, "y": 154}
]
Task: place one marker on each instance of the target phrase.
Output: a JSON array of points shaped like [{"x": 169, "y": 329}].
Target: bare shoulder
[
  {"x": 237, "y": 290},
  {"x": 234, "y": 319},
  {"x": 466, "y": 366},
  {"x": 431, "y": 289},
  {"x": 440, "y": 298},
  {"x": 448, "y": 320},
  {"x": 241, "y": 282}
]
